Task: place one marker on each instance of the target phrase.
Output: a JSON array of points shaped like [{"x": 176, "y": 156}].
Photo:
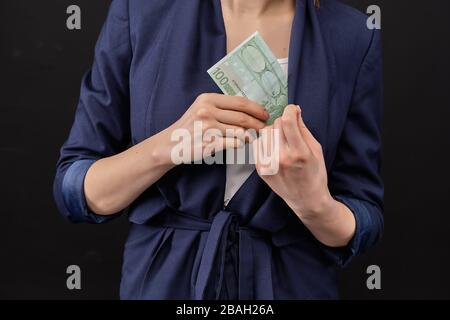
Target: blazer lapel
[{"x": 310, "y": 80}]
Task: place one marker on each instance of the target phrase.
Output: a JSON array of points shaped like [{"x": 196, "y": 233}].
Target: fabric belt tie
[{"x": 222, "y": 229}]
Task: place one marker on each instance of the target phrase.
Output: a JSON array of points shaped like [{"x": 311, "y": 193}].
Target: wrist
[
  {"x": 160, "y": 146},
  {"x": 321, "y": 207}
]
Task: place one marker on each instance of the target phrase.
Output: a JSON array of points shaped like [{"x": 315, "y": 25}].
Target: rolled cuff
[
  {"x": 364, "y": 225},
  {"x": 73, "y": 194}
]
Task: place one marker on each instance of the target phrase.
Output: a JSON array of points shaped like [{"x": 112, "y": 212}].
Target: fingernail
[{"x": 299, "y": 108}]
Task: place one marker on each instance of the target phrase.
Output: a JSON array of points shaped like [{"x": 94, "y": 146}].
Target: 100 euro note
[{"x": 251, "y": 70}]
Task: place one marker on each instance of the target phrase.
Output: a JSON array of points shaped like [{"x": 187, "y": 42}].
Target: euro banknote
[{"x": 251, "y": 70}]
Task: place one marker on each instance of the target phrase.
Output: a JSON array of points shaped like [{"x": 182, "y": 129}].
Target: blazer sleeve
[
  {"x": 354, "y": 178},
  {"x": 102, "y": 120}
]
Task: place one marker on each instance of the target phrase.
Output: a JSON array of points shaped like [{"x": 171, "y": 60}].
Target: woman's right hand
[
  {"x": 226, "y": 118},
  {"x": 113, "y": 183}
]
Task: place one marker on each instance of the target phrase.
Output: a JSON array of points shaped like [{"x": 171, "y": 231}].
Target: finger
[
  {"x": 289, "y": 122},
  {"x": 226, "y": 131},
  {"x": 280, "y": 132},
  {"x": 240, "y": 133},
  {"x": 257, "y": 152},
  {"x": 222, "y": 143},
  {"x": 240, "y": 104},
  {"x": 279, "y": 147},
  {"x": 268, "y": 139},
  {"x": 230, "y": 143},
  {"x": 238, "y": 118},
  {"x": 264, "y": 161}
]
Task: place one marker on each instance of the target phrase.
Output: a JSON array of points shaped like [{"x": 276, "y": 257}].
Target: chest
[{"x": 275, "y": 30}]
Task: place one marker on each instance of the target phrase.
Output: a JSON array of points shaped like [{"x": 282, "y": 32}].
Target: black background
[{"x": 42, "y": 63}]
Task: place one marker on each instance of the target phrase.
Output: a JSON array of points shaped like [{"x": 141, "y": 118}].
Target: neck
[{"x": 258, "y": 7}]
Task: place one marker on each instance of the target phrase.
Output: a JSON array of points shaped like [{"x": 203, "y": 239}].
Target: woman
[{"x": 279, "y": 236}]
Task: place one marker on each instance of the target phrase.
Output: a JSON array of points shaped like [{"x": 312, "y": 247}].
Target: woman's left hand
[
  {"x": 290, "y": 160},
  {"x": 300, "y": 177},
  {"x": 294, "y": 167}
]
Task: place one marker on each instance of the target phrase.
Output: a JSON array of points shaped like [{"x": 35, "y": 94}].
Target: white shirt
[{"x": 238, "y": 173}]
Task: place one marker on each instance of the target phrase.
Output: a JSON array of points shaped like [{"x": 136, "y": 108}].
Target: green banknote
[{"x": 251, "y": 70}]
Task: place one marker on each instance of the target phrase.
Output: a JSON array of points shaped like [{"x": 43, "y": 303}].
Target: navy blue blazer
[{"x": 150, "y": 64}]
